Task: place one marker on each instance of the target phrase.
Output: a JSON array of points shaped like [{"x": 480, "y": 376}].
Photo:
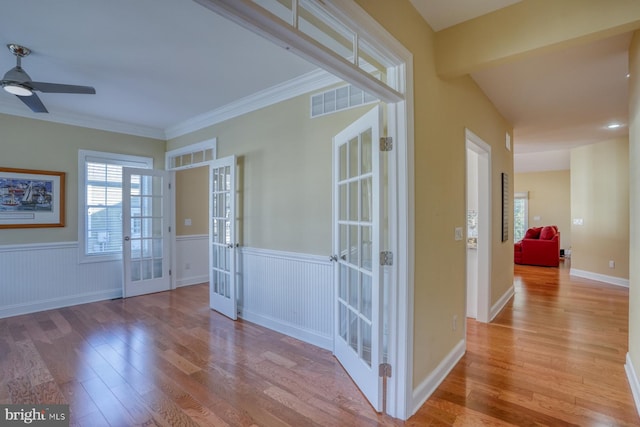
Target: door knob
[{"x": 126, "y": 238}]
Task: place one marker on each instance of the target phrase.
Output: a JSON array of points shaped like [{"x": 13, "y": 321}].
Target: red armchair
[{"x": 540, "y": 246}]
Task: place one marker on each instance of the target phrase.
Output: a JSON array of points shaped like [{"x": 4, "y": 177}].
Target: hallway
[{"x": 554, "y": 356}]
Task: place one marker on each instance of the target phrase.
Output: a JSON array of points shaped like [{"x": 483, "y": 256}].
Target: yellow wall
[
  {"x": 634, "y": 201},
  {"x": 284, "y": 174},
  {"x": 600, "y": 197},
  {"x": 37, "y": 144},
  {"x": 529, "y": 27},
  {"x": 549, "y": 199},
  {"x": 192, "y": 201},
  {"x": 443, "y": 108}
]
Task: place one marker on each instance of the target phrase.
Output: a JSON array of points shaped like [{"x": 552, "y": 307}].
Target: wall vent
[{"x": 339, "y": 99}]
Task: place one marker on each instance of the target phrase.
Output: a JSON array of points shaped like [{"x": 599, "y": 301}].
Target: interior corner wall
[
  {"x": 42, "y": 145},
  {"x": 442, "y": 111},
  {"x": 549, "y": 200},
  {"x": 600, "y": 199},
  {"x": 284, "y": 174},
  {"x": 634, "y": 202}
]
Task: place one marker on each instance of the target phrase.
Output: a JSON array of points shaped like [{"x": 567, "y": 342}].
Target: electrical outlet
[
  {"x": 458, "y": 233},
  {"x": 612, "y": 264}
]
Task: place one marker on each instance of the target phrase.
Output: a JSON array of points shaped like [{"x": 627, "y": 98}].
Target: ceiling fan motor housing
[{"x": 16, "y": 75}]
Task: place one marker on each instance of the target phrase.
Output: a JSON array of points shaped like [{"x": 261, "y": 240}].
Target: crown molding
[
  {"x": 306, "y": 83},
  {"x": 84, "y": 121}
]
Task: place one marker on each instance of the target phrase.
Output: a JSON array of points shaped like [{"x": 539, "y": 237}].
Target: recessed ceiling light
[
  {"x": 614, "y": 126},
  {"x": 628, "y": 75}
]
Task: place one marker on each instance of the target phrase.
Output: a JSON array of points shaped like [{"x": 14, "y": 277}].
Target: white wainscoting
[
  {"x": 192, "y": 259},
  {"x": 36, "y": 277},
  {"x": 287, "y": 292}
]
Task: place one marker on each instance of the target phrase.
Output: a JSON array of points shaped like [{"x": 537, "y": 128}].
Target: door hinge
[
  {"x": 386, "y": 258},
  {"x": 169, "y": 186},
  {"x": 169, "y": 272},
  {"x": 386, "y": 143},
  {"x": 169, "y": 229},
  {"x": 384, "y": 370}
]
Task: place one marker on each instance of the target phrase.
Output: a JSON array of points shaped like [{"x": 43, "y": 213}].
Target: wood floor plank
[{"x": 554, "y": 356}]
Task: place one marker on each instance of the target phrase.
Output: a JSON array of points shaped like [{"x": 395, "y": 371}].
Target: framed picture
[
  {"x": 505, "y": 207},
  {"x": 31, "y": 198}
]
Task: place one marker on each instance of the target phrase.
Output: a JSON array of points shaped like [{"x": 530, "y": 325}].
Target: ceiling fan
[{"x": 17, "y": 82}]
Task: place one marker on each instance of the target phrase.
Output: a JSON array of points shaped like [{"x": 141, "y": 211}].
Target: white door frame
[
  {"x": 211, "y": 144},
  {"x": 474, "y": 143},
  {"x": 398, "y": 94}
]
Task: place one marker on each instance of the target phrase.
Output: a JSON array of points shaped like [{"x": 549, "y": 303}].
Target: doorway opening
[{"x": 478, "y": 155}]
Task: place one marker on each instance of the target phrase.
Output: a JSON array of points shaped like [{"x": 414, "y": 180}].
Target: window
[
  {"x": 100, "y": 202},
  {"x": 520, "y": 215},
  {"x": 191, "y": 156},
  {"x": 339, "y": 99}
]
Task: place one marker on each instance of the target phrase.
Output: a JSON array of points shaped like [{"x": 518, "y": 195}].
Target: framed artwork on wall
[{"x": 31, "y": 198}]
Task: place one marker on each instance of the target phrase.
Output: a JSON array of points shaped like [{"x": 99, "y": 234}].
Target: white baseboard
[
  {"x": 291, "y": 330},
  {"x": 189, "y": 281},
  {"x": 431, "y": 383},
  {"x": 42, "y": 305},
  {"x": 612, "y": 280},
  {"x": 499, "y": 305},
  {"x": 634, "y": 382}
]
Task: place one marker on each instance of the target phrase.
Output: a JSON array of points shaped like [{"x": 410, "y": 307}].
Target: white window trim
[{"x": 100, "y": 156}]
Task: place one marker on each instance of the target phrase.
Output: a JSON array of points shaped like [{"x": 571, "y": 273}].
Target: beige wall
[
  {"x": 37, "y": 144},
  {"x": 634, "y": 201},
  {"x": 443, "y": 108},
  {"x": 192, "y": 201},
  {"x": 549, "y": 199},
  {"x": 284, "y": 174},
  {"x": 529, "y": 27},
  {"x": 600, "y": 197}
]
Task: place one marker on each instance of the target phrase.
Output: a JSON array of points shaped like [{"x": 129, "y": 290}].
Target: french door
[
  {"x": 222, "y": 237},
  {"x": 357, "y": 237},
  {"x": 145, "y": 222}
]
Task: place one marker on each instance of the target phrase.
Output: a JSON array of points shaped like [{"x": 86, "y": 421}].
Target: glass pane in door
[{"x": 222, "y": 238}]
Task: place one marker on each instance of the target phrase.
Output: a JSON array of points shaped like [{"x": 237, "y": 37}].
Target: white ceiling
[{"x": 156, "y": 64}]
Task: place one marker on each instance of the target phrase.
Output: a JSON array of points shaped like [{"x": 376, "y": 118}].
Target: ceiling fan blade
[
  {"x": 34, "y": 103},
  {"x": 61, "y": 88}
]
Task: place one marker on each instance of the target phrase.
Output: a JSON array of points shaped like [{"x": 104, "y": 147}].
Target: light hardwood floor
[{"x": 554, "y": 357}]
